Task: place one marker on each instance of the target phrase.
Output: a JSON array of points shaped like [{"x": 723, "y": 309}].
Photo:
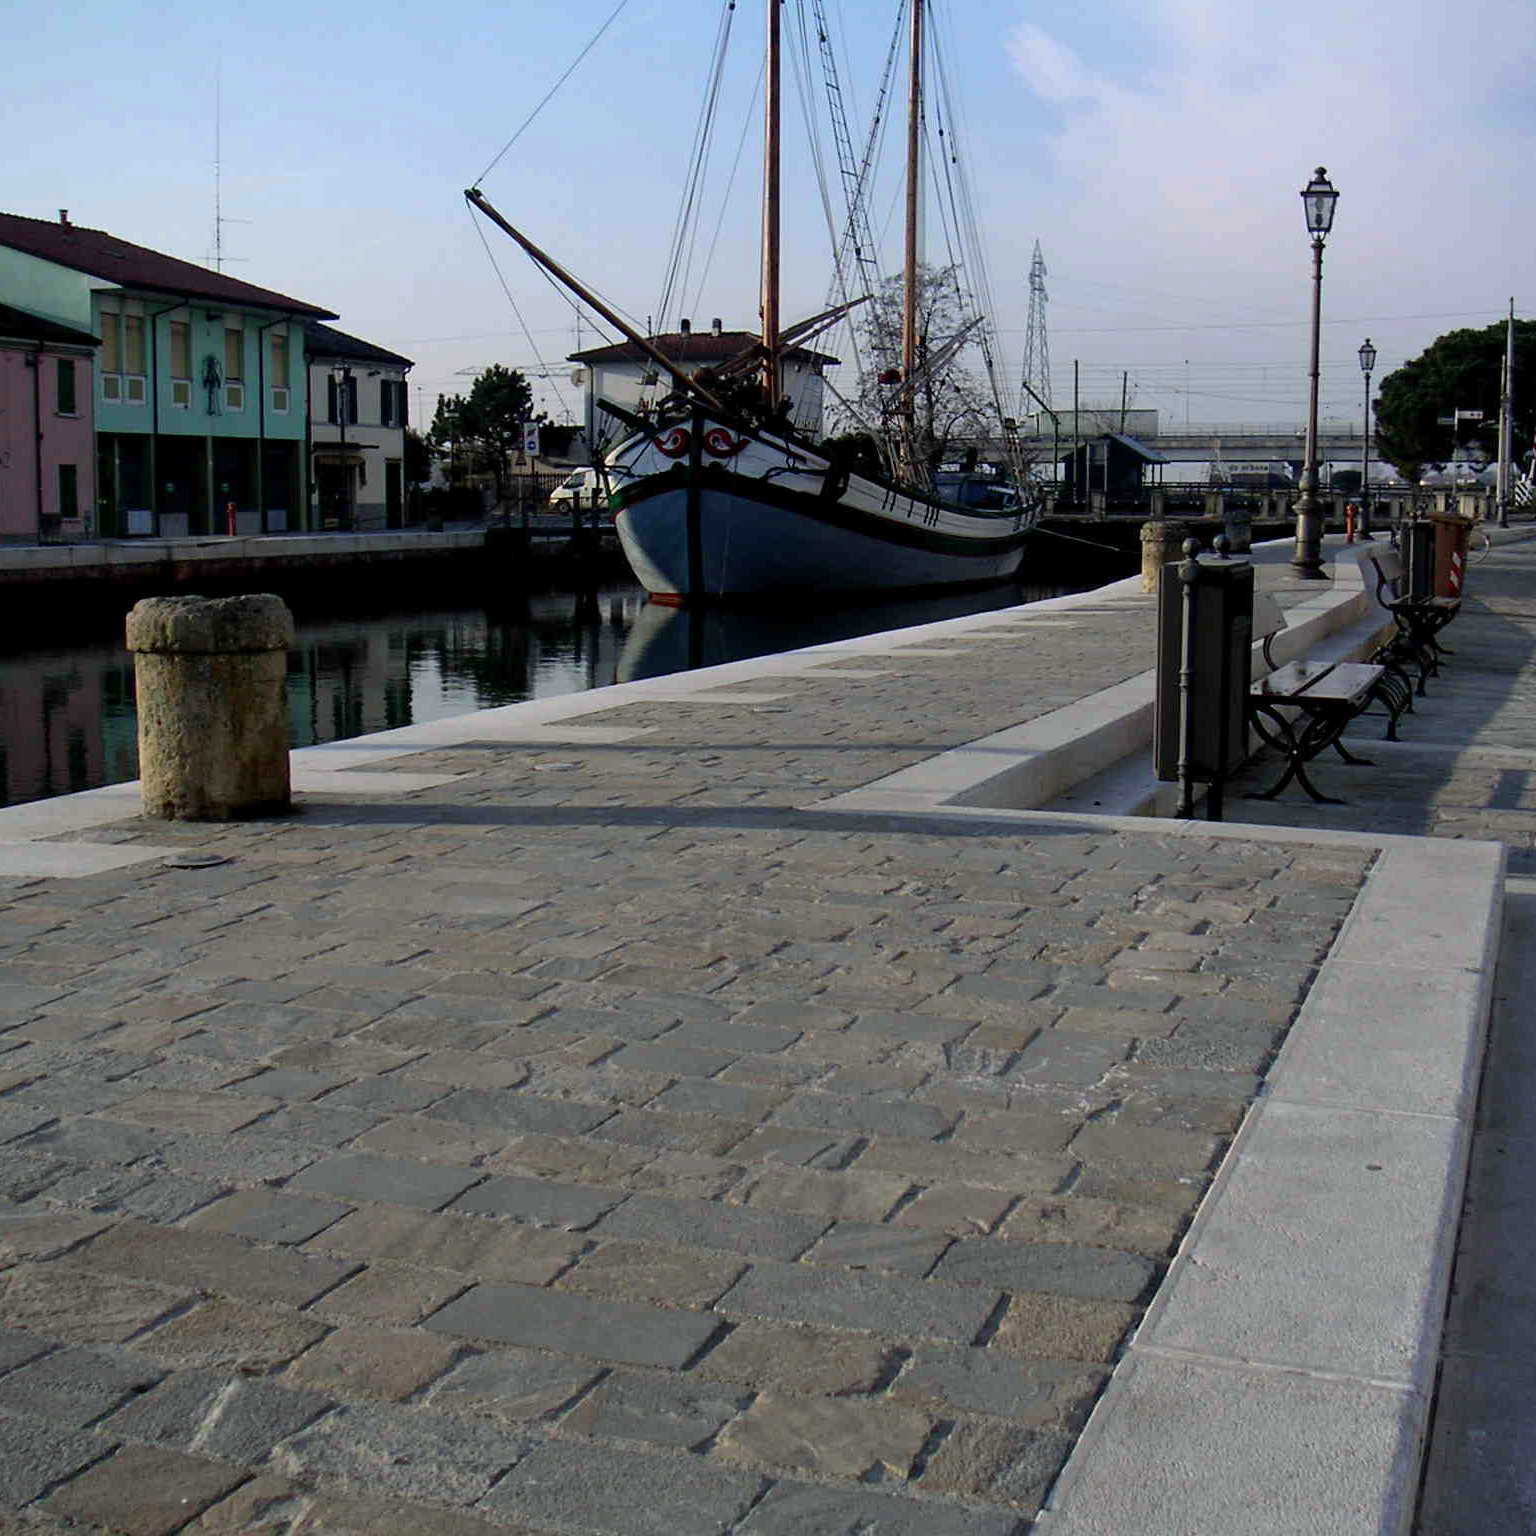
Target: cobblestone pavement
[{"x": 600, "y": 1144}]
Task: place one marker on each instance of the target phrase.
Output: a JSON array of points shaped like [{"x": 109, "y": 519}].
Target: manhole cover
[{"x": 195, "y": 860}]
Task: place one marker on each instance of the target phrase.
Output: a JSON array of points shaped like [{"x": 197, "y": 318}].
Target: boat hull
[{"x": 758, "y": 541}]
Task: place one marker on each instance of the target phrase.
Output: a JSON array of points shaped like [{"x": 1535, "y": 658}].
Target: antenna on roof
[{"x": 219, "y": 221}]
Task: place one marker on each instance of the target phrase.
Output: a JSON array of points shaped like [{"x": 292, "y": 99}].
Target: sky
[{"x": 1155, "y": 150}]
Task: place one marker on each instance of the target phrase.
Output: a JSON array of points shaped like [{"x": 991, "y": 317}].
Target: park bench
[
  {"x": 1416, "y": 619},
  {"x": 1303, "y": 707}
]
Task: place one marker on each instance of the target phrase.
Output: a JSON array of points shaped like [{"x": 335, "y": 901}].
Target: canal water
[{"x": 67, "y": 719}]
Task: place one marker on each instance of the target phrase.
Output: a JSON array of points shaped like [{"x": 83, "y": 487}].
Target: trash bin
[
  {"x": 1416, "y": 539},
  {"x": 1452, "y": 535},
  {"x": 1239, "y": 526}
]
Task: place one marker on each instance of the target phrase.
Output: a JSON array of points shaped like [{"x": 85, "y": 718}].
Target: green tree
[
  {"x": 418, "y": 458},
  {"x": 1459, "y": 371},
  {"x": 483, "y": 429}
]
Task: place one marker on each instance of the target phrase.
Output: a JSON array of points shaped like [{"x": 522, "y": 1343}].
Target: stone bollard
[
  {"x": 213, "y": 725},
  {"x": 1160, "y": 542}
]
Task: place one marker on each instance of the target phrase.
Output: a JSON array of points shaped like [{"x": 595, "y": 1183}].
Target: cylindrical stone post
[
  {"x": 1160, "y": 542},
  {"x": 213, "y": 725}
]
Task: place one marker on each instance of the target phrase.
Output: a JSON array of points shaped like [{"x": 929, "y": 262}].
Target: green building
[{"x": 201, "y": 386}]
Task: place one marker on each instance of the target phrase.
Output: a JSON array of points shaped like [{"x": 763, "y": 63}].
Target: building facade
[
  {"x": 47, "y": 450},
  {"x": 357, "y": 419},
  {"x": 630, "y": 379},
  {"x": 200, "y": 390}
]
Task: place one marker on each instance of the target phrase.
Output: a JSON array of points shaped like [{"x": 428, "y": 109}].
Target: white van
[{"x": 582, "y": 488}]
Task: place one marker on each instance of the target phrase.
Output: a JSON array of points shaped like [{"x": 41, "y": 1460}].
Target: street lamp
[
  {"x": 342, "y": 374},
  {"x": 1367, "y": 363},
  {"x": 1317, "y": 198}
]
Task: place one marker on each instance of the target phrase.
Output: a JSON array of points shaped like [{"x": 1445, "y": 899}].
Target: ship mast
[
  {"x": 909, "y": 295},
  {"x": 770, "y": 295}
]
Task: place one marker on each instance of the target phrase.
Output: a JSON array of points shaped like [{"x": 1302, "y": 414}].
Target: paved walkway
[{"x": 569, "y": 1128}]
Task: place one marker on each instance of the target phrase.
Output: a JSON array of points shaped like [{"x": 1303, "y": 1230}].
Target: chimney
[
  {"x": 685, "y": 326},
  {"x": 714, "y": 326},
  {"x": 63, "y": 215}
]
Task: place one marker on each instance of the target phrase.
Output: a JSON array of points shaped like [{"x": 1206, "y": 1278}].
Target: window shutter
[
  {"x": 351, "y": 401},
  {"x": 331, "y": 414},
  {"x": 402, "y": 398},
  {"x": 386, "y": 403}
]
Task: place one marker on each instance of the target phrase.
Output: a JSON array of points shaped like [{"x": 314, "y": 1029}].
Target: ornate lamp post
[
  {"x": 1317, "y": 198},
  {"x": 1367, "y": 363}
]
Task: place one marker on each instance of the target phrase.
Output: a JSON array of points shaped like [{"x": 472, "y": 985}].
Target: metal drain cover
[{"x": 194, "y": 860}]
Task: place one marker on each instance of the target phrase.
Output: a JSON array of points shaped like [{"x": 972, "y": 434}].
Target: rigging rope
[{"x": 613, "y": 16}]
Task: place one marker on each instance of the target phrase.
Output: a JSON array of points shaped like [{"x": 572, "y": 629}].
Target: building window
[
  {"x": 338, "y": 397},
  {"x": 234, "y": 368},
  {"x": 65, "y": 379},
  {"x": 134, "y": 379},
  {"x": 392, "y": 403},
  {"x": 181, "y": 364},
  {"x": 69, "y": 491},
  {"x": 279, "y": 371},
  {"x": 111, "y": 355}
]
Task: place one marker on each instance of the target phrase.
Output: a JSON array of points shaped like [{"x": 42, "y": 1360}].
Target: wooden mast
[
  {"x": 909, "y": 297},
  {"x": 772, "y": 386}
]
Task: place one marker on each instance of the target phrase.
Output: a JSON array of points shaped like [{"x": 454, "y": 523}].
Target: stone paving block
[
  {"x": 1065, "y": 1269},
  {"x": 886, "y": 1304},
  {"x": 235, "y": 1417},
  {"x": 741, "y": 1101},
  {"x": 673, "y": 1060},
  {"x": 926, "y": 1162},
  {"x": 1054, "y": 1056},
  {"x": 74, "y": 1386},
  {"x": 21, "y": 1120},
  {"x": 576, "y": 1325},
  {"x": 929, "y": 1027},
  {"x": 840, "y": 1196},
  {"x": 252, "y": 1156},
  {"x": 466, "y": 1245},
  {"x": 712, "y": 1135},
  {"x": 389, "y": 1179},
  {"x": 645, "y": 1272},
  {"x": 710, "y": 1224},
  {"x": 268, "y": 1216},
  {"x": 390, "y": 1293},
  {"x": 373, "y": 1362},
  {"x": 833, "y": 1437},
  {"x": 517, "y": 1386},
  {"x": 76, "y": 1306},
  {"x": 192, "y": 1110},
  {"x": 232, "y": 1334},
  {"x": 686, "y": 1176},
  {"x": 512, "y": 1112},
  {"x": 1064, "y": 1328},
  {"x": 681, "y": 1413},
  {"x": 864, "y": 1245},
  {"x": 1037, "y": 1394},
  {"x": 469, "y": 1069},
  {"x": 38, "y": 1232},
  {"x": 748, "y": 1033},
  {"x": 399, "y": 1094},
  {"x": 433, "y": 1141},
  {"x": 211, "y": 1262},
  {"x": 798, "y": 1359},
  {"x": 961, "y": 1210},
  {"x": 88, "y": 1140},
  {"x": 540, "y": 1202},
  {"x": 1040, "y": 1132},
  {"x": 998, "y": 1463},
  {"x": 869, "y": 1117},
  {"x": 804, "y": 1509},
  {"x": 586, "y": 1487},
  {"x": 1158, "y": 1151},
  {"x": 287, "y": 1084},
  {"x": 18, "y": 1346},
  {"x": 34, "y": 1455},
  {"x": 144, "y": 1491},
  {"x": 570, "y": 1160},
  {"x": 401, "y": 1452}
]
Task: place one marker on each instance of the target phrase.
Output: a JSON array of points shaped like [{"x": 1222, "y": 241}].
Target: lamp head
[
  {"x": 1318, "y": 198},
  {"x": 1367, "y": 356}
]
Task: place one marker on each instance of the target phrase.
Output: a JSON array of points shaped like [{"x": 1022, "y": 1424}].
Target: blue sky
[{"x": 1155, "y": 149}]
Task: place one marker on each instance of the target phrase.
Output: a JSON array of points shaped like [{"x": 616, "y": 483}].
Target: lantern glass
[
  {"x": 1367, "y": 356},
  {"x": 1318, "y": 198}
]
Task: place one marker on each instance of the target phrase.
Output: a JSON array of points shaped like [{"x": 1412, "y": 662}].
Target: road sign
[{"x": 1470, "y": 415}]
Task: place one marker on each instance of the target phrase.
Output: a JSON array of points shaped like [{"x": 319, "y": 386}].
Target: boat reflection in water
[{"x": 664, "y": 638}]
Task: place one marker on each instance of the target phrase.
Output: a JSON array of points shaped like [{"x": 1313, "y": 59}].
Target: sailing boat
[{"x": 718, "y": 496}]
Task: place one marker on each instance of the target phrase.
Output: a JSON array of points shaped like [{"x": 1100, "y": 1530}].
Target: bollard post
[
  {"x": 213, "y": 725},
  {"x": 1160, "y": 543}
]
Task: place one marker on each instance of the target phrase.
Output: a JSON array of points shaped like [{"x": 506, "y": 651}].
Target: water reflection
[{"x": 67, "y": 719}]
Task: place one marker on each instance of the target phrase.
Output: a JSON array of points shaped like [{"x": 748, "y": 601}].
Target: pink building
[{"x": 47, "y": 430}]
